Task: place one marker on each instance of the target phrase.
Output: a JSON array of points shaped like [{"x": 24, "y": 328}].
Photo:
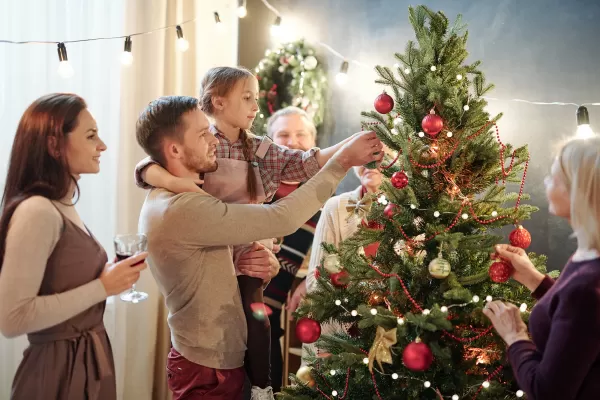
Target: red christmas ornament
[
  {"x": 317, "y": 274},
  {"x": 384, "y": 103},
  {"x": 432, "y": 124},
  {"x": 520, "y": 237},
  {"x": 390, "y": 210},
  {"x": 417, "y": 356},
  {"x": 399, "y": 180},
  {"x": 372, "y": 225},
  {"x": 339, "y": 279},
  {"x": 500, "y": 271},
  {"x": 371, "y": 249},
  {"x": 308, "y": 330}
]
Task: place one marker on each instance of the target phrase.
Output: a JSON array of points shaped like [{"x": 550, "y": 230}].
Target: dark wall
[{"x": 541, "y": 50}]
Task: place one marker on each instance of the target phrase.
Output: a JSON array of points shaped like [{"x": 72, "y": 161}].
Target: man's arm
[{"x": 201, "y": 219}]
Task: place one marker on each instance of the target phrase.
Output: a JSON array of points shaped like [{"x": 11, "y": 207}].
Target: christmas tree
[{"x": 409, "y": 287}]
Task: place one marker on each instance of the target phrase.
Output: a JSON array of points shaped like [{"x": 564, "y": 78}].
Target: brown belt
[{"x": 91, "y": 353}]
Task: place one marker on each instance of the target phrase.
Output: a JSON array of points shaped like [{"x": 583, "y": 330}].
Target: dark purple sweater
[{"x": 563, "y": 361}]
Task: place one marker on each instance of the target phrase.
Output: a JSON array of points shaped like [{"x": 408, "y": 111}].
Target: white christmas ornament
[
  {"x": 310, "y": 62},
  {"x": 331, "y": 263}
]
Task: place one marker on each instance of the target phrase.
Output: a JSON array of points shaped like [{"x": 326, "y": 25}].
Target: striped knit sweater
[{"x": 294, "y": 251}]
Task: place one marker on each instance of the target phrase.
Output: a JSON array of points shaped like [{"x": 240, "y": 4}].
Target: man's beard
[{"x": 195, "y": 163}]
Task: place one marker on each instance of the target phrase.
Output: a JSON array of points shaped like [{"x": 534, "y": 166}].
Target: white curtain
[{"x": 110, "y": 203}]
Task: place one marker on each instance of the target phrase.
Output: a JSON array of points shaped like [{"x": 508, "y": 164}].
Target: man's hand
[
  {"x": 297, "y": 297},
  {"x": 257, "y": 262}
]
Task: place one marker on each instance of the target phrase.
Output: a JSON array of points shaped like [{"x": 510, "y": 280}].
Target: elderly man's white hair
[{"x": 291, "y": 110}]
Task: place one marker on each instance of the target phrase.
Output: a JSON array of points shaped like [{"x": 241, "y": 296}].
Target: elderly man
[
  {"x": 190, "y": 239},
  {"x": 290, "y": 127}
]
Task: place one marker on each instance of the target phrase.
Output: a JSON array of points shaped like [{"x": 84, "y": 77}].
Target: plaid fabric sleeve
[
  {"x": 294, "y": 165},
  {"x": 139, "y": 168}
]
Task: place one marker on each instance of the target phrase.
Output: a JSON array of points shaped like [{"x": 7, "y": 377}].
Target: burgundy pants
[{"x": 190, "y": 381}]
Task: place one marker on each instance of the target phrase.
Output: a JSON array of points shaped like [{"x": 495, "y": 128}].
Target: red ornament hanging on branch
[
  {"x": 520, "y": 237},
  {"x": 371, "y": 250},
  {"x": 308, "y": 330},
  {"x": 399, "y": 180},
  {"x": 500, "y": 271},
  {"x": 417, "y": 356},
  {"x": 432, "y": 124},
  {"x": 384, "y": 103},
  {"x": 339, "y": 279},
  {"x": 390, "y": 210}
]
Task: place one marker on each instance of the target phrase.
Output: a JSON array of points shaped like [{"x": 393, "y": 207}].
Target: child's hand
[{"x": 184, "y": 185}]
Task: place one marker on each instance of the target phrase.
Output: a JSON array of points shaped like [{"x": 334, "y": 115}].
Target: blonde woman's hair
[
  {"x": 579, "y": 161},
  {"x": 218, "y": 82},
  {"x": 291, "y": 110}
]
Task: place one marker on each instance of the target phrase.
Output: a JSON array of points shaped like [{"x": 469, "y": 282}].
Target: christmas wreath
[{"x": 290, "y": 75}]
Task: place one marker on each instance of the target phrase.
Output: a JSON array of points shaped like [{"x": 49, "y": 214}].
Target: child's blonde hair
[
  {"x": 218, "y": 82},
  {"x": 579, "y": 161}
]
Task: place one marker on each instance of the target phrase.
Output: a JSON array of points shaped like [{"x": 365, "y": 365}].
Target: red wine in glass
[{"x": 126, "y": 246}]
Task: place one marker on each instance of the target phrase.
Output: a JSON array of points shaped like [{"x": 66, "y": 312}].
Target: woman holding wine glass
[{"x": 54, "y": 276}]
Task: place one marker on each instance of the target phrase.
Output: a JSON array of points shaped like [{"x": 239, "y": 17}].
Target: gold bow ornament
[
  {"x": 381, "y": 348},
  {"x": 361, "y": 207}
]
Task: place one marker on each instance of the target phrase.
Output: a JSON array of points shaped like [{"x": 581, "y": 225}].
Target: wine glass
[{"x": 128, "y": 245}]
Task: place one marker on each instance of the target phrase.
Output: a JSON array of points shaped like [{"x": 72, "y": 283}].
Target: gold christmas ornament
[
  {"x": 304, "y": 375},
  {"x": 332, "y": 264},
  {"x": 380, "y": 350},
  {"x": 439, "y": 268}
]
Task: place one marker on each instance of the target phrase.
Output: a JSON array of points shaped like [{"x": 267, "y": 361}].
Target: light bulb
[
  {"x": 354, "y": 313},
  {"x": 436, "y": 214},
  {"x": 494, "y": 213},
  {"x": 466, "y": 107},
  {"x": 407, "y": 71},
  {"x": 412, "y": 206},
  {"x": 65, "y": 69},
  {"x": 520, "y": 393},
  {"x": 426, "y": 311},
  {"x": 334, "y": 393},
  {"x": 276, "y": 27},
  {"x": 394, "y": 131},
  {"x": 332, "y": 372},
  {"x": 444, "y": 309},
  {"x": 397, "y": 121},
  {"x": 455, "y": 397},
  {"x": 342, "y": 76},
  {"x": 394, "y": 376},
  {"x": 523, "y": 307},
  {"x": 465, "y": 216},
  {"x": 459, "y": 77},
  {"x": 475, "y": 299},
  {"x": 421, "y": 134},
  {"x": 427, "y": 384},
  {"x": 400, "y": 321},
  {"x": 373, "y": 311},
  {"x": 218, "y": 22},
  {"x": 126, "y": 58},
  {"x": 338, "y": 302},
  {"x": 449, "y": 134},
  {"x": 183, "y": 44},
  {"x": 242, "y": 11},
  {"x": 365, "y": 360},
  {"x": 488, "y": 298},
  {"x": 486, "y": 384},
  {"x": 433, "y": 68},
  {"x": 584, "y": 132}
]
